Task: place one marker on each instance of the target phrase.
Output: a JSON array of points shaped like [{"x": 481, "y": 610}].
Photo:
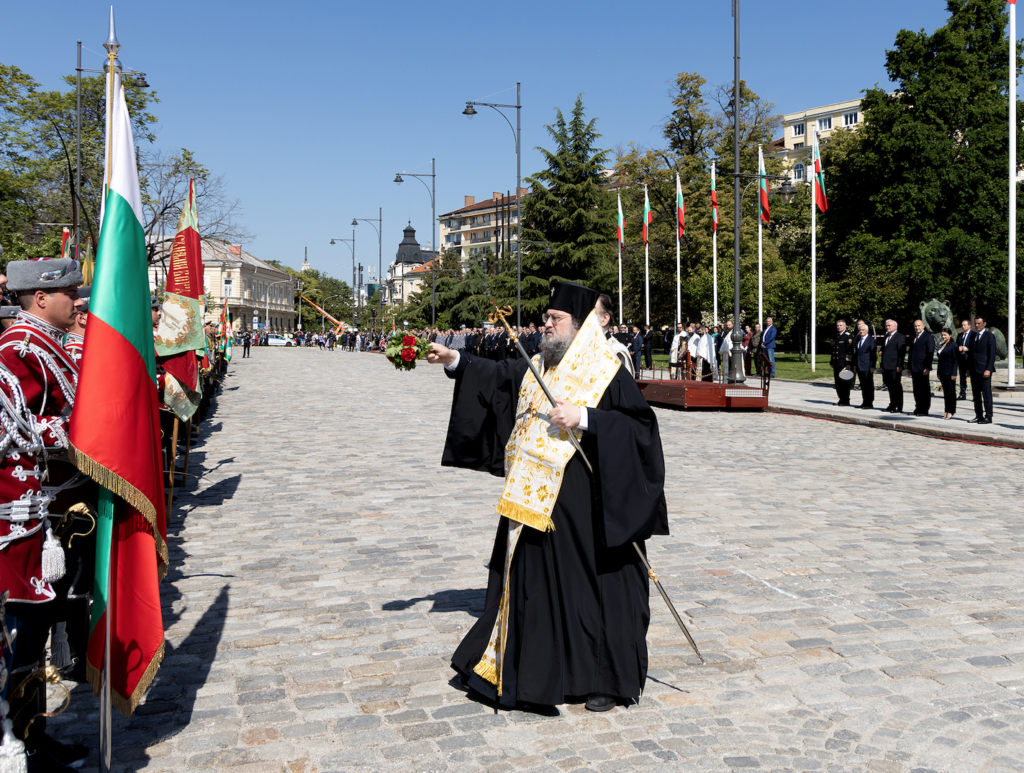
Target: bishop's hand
[
  {"x": 439, "y": 354},
  {"x": 565, "y": 415}
]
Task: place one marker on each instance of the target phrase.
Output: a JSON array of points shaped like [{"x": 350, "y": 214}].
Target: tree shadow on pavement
[{"x": 470, "y": 600}]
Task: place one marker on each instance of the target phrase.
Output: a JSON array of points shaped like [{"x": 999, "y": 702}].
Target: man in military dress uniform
[
  {"x": 74, "y": 342},
  {"x": 842, "y": 360},
  {"x": 37, "y": 382}
]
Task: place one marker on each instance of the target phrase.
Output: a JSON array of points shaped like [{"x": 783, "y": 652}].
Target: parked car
[{"x": 278, "y": 340}]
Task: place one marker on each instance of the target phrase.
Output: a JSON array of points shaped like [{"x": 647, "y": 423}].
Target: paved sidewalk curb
[{"x": 919, "y": 429}]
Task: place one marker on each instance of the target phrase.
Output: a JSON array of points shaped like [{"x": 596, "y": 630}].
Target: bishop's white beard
[{"x": 553, "y": 348}]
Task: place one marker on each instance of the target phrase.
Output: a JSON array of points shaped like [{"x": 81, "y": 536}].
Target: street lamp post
[
  {"x": 517, "y": 132},
  {"x": 433, "y": 219},
  {"x": 380, "y": 254},
  {"x": 355, "y": 290}
]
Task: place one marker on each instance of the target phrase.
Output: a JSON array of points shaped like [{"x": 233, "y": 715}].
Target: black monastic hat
[{"x": 572, "y": 298}]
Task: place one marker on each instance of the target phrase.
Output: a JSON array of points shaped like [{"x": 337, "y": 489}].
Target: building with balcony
[
  {"x": 794, "y": 148},
  {"x": 478, "y": 226},
  {"x": 257, "y": 294}
]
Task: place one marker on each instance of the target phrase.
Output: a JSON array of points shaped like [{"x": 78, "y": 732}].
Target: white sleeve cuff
[
  {"x": 584, "y": 419},
  {"x": 454, "y": 365}
]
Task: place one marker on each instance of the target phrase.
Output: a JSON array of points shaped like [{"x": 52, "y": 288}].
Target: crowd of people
[
  {"x": 968, "y": 354},
  {"x": 47, "y": 507}
]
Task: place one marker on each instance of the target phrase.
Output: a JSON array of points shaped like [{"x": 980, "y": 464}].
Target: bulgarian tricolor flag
[
  {"x": 680, "y": 208},
  {"x": 762, "y": 185},
  {"x": 819, "y": 178},
  {"x": 115, "y": 435},
  {"x": 714, "y": 200},
  {"x": 648, "y": 217},
  {"x": 621, "y": 227}
]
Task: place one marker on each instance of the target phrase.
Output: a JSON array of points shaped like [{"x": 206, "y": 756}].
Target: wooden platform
[{"x": 704, "y": 394}]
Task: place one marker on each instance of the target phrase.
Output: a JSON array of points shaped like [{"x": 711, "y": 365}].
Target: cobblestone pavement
[{"x": 857, "y": 594}]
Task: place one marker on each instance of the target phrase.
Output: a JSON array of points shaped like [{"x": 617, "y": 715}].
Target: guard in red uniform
[{"x": 37, "y": 391}]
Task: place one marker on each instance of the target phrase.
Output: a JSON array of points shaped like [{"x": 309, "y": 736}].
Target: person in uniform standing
[
  {"x": 963, "y": 344},
  {"x": 568, "y": 598},
  {"x": 894, "y": 355},
  {"x": 246, "y": 343},
  {"x": 922, "y": 354},
  {"x": 842, "y": 362},
  {"x": 38, "y": 379}
]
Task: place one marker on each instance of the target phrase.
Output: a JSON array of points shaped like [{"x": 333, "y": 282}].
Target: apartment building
[
  {"x": 795, "y": 146},
  {"x": 479, "y": 226}
]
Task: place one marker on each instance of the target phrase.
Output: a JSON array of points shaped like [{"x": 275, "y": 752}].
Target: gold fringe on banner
[
  {"x": 113, "y": 482},
  {"x": 487, "y": 670},
  {"x": 518, "y": 512},
  {"x": 127, "y": 705}
]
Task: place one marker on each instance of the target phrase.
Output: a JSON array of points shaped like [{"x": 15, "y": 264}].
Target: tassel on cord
[
  {"x": 60, "y": 650},
  {"x": 12, "y": 752},
  {"x": 53, "y": 559}
]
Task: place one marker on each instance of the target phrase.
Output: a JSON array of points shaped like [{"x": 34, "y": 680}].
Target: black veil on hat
[{"x": 572, "y": 298}]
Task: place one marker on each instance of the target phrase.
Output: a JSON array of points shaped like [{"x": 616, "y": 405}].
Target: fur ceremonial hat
[
  {"x": 84, "y": 293},
  {"x": 47, "y": 274},
  {"x": 572, "y": 298}
]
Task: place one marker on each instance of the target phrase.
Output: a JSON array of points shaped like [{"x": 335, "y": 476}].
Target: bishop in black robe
[{"x": 579, "y": 603}]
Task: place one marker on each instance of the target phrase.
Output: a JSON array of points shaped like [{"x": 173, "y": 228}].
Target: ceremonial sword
[{"x": 499, "y": 314}]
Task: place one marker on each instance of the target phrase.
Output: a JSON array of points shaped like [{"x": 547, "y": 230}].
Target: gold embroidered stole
[{"x": 536, "y": 455}]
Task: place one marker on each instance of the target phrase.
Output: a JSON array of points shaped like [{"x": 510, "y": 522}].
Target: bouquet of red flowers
[{"x": 403, "y": 350}]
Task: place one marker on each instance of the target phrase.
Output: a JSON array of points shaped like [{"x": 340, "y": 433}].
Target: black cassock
[{"x": 579, "y": 595}]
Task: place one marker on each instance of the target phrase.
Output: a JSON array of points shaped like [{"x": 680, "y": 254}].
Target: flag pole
[
  {"x": 647, "y": 264},
  {"x": 814, "y": 249},
  {"x": 760, "y": 261},
  {"x": 714, "y": 252},
  {"x": 620, "y": 236},
  {"x": 679, "y": 286},
  {"x": 1012, "y": 317},
  {"x": 620, "y": 283}
]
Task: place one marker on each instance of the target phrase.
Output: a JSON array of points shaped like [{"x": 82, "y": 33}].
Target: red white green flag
[
  {"x": 648, "y": 217},
  {"x": 762, "y": 185},
  {"x": 621, "y": 228},
  {"x": 714, "y": 201},
  {"x": 115, "y": 434},
  {"x": 680, "y": 208},
  {"x": 180, "y": 332},
  {"x": 819, "y": 178}
]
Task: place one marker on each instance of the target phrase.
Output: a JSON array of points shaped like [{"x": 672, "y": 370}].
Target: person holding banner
[{"x": 37, "y": 380}]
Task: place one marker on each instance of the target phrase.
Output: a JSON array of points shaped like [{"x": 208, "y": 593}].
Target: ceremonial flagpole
[
  {"x": 620, "y": 238},
  {"x": 714, "y": 242},
  {"x": 647, "y": 259},
  {"x": 760, "y": 251},
  {"x": 814, "y": 252},
  {"x": 679, "y": 230},
  {"x": 1012, "y": 317}
]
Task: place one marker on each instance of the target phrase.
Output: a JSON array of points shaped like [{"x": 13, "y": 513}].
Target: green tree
[
  {"x": 918, "y": 200},
  {"x": 332, "y": 295},
  {"x": 569, "y": 213}
]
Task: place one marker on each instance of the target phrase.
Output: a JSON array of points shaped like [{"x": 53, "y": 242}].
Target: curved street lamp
[
  {"x": 380, "y": 253},
  {"x": 433, "y": 214},
  {"x": 517, "y": 132},
  {"x": 355, "y": 290}
]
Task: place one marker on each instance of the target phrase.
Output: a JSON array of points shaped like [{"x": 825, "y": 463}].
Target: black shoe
[
  {"x": 985, "y": 421},
  {"x": 41, "y": 762},
  {"x": 66, "y": 754},
  {"x": 599, "y": 702},
  {"x": 962, "y": 397},
  {"x": 976, "y": 420},
  {"x": 866, "y": 407}
]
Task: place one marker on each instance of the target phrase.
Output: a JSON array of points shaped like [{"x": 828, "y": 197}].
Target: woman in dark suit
[{"x": 946, "y": 353}]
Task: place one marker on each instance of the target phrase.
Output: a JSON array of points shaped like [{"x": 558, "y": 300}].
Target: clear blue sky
[{"x": 309, "y": 108}]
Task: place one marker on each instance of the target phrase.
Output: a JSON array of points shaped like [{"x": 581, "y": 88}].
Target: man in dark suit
[
  {"x": 842, "y": 359},
  {"x": 636, "y": 347},
  {"x": 922, "y": 353},
  {"x": 866, "y": 353},
  {"x": 648, "y": 345},
  {"x": 768, "y": 342},
  {"x": 981, "y": 359},
  {"x": 894, "y": 355},
  {"x": 533, "y": 341},
  {"x": 963, "y": 341}
]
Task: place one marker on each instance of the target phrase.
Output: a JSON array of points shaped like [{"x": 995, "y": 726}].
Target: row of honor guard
[{"x": 47, "y": 507}]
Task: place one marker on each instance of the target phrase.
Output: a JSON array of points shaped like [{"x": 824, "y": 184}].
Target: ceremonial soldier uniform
[
  {"x": 842, "y": 359},
  {"x": 37, "y": 382}
]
